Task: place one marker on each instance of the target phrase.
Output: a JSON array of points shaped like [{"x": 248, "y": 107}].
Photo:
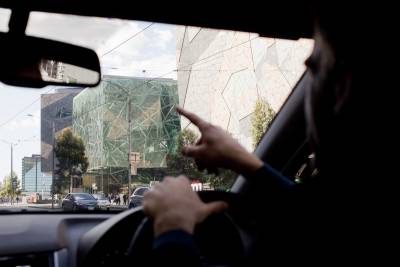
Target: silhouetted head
[{"x": 342, "y": 102}]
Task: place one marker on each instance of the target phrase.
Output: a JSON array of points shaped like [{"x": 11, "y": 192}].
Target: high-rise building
[
  {"x": 33, "y": 179},
  {"x": 56, "y": 110}
]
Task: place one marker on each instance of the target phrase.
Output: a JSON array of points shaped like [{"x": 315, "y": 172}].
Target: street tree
[
  {"x": 179, "y": 164},
  {"x": 72, "y": 161},
  {"x": 261, "y": 119},
  {"x": 7, "y": 190}
]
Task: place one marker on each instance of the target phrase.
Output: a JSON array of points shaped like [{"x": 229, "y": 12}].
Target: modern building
[
  {"x": 101, "y": 118},
  {"x": 56, "y": 110},
  {"x": 33, "y": 179},
  {"x": 221, "y": 74}
]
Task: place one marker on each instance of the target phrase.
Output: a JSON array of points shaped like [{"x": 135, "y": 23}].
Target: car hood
[{"x": 87, "y": 202}]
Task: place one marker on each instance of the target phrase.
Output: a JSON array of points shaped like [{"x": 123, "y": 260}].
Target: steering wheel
[{"x": 126, "y": 239}]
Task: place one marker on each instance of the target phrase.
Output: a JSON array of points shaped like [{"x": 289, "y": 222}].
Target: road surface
[{"x": 44, "y": 207}]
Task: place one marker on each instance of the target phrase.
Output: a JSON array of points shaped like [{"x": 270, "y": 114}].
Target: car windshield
[
  {"x": 83, "y": 197},
  {"x": 140, "y": 191},
  {"x": 125, "y": 132},
  {"x": 99, "y": 197}
]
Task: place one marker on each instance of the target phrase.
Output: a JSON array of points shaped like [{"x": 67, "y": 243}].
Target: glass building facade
[
  {"x": 33, "y": 179},
  {"x": 101, "y": 118}
]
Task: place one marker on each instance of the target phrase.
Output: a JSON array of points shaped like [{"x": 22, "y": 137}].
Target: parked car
[
  {"x": 102, "y": 201},
  {"x": 137, "y": 196},
  {"x": 79, "y": 201}
]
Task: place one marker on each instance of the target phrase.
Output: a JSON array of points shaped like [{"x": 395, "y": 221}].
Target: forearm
[{"x": 244, "y": 162}]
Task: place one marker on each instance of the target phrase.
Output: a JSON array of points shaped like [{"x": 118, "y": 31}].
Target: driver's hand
[
  {"x": 173, "y": 205},
  {"x": 216, "y": 148}
]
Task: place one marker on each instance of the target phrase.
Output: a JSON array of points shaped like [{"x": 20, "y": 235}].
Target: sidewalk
[
  {"x": 119, "y": 206},
  {"x": 47, "y": 206},
  {"x": 8, "y": 204}
]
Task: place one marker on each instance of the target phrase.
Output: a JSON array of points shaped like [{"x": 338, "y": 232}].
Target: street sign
[{"x": 134, "y": 157}]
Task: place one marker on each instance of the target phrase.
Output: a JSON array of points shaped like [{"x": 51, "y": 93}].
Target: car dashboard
[{"x": 43, "y": 239}]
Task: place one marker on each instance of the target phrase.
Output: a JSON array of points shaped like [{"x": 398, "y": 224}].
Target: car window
[
  {"x": 141, "y": 191},
  {"x": 99, "y": 197},
  {"x": 236, "y": 80},
  {"x": 83, "y": 197}
]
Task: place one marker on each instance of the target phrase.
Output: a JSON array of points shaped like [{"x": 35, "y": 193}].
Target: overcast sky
[{"x": 153, "y": 51}]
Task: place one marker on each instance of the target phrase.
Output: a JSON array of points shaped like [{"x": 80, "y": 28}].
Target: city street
[
  {"x": 46, "y": 207},
  {"x": 29, "y": 207}
]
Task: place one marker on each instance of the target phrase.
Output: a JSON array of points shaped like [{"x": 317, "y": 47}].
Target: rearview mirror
[{"x": 35, "y": 62}]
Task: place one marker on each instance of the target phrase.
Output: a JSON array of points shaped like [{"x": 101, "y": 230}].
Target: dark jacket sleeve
[
  {"x": 175, "y": 248},
  {"x": 270, "y": 177}
]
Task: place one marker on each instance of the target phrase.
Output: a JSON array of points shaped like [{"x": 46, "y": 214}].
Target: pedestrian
[{"x": 125, "y": 197}]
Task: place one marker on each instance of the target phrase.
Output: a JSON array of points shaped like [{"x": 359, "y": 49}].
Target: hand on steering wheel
[{"x": 173, "y": 205}]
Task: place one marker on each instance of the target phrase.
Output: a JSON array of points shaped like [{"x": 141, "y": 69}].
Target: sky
[{"x": 150, "y": 54}]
